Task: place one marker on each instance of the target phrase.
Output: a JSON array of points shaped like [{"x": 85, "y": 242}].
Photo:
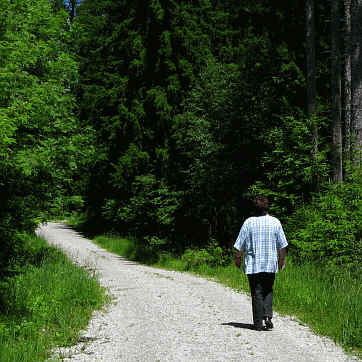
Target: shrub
[
  {"x": 330, "y": 228},
  {"x": 213, "y": 255},
  {"x": 44, "y": 304}
]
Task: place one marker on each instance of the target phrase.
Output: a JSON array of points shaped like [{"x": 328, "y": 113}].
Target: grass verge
[
  {"x": 329, "y": 303},
  {"x": 45, "y": 302}
]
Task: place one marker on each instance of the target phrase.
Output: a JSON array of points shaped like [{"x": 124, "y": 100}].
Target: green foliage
[
  {"x": 181, "y": 92},
  {"x": 206, "y": 150},
  {"x": 330, "y": 228},
  {"x": 42, "y": 145},
  {"x": 328, "y": 298},
  {"x": 291, "y": 171},
  {"x": 28, "y": 250},
  {"x": 45, "y": 303},
  {"x": 193, "y": 104},
  {"x": 129, "y": 248},
  {"x": 64, "y": 205},
  {"x": 150, "y": 212},
  {"x": 137, "y": 64},
  {"x": 213, "y": 256}
]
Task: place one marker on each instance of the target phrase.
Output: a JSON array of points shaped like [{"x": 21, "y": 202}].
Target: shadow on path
[{"x": 239, "y": 325}]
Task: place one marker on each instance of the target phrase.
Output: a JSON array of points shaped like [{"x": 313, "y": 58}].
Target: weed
[{"x": 45, "y": 304}]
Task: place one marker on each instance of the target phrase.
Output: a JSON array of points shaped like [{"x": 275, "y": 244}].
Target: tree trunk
[
  {"x": 336, "y": 94},
  {"x": 347, "y": 95},
  {"x": 73, "y": 5},
  {"x": 356, "y": 119},
  {"x": 310, "y": 60}
]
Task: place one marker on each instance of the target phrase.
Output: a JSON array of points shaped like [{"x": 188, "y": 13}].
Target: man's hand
[
  {"x": 281, "y": 260},
  {"x": 238, "y": 256}
]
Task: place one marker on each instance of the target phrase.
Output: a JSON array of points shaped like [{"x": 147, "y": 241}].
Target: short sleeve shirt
[{"x": 260, "y": 238}]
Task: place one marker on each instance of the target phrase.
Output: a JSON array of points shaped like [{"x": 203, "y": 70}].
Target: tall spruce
[{"x": 137, "y": 62}]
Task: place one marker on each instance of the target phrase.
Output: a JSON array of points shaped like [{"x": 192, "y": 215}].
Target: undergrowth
[{"x": 45, "y": 301}]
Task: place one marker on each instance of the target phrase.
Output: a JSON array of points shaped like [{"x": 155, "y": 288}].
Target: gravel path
[{"x": 159, "y": 315}]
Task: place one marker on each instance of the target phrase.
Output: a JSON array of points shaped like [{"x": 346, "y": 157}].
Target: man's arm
[
  {"x": 281, "y": 258},
  {"x": 238, "y": 255},
  {"x": 240, "y": 244}
]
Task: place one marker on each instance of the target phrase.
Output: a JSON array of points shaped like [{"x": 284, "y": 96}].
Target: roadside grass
[
  {"x": 45, "y": 302},
  {"x": 329, "y": 302}
]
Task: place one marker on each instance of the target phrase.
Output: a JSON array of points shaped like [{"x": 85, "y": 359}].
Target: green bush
[
  {"x": 149, "y": 214},
  {"x": 42, "y": 144},
  {"x": 44, "y": 304},
  {"x": 213, "y": 255},
  {"x": 129, "y": 248},
  {"x": 330, "y": 228}
]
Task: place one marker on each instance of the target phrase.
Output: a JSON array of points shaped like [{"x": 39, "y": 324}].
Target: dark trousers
[{"x": 261, "y": 288}]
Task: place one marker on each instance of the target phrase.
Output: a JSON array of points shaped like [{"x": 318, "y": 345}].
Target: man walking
[{"x": 263, "y": 242}]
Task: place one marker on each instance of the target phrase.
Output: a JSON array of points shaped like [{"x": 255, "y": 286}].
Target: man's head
[{"x": 261, "y": 203}]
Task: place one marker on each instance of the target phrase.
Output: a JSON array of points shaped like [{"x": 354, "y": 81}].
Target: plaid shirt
[{"x": 260, "y": 238}]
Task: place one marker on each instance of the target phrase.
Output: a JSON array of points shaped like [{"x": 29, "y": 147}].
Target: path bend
[{"x": 159, "y": 315}]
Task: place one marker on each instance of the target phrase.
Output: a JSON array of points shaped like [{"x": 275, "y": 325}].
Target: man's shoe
[
  {"x": 258, "y": 328},
  {"x": 268, "y": 323}
]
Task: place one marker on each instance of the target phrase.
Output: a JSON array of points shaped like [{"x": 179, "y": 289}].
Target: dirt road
[{"x": 158, "y": 315}]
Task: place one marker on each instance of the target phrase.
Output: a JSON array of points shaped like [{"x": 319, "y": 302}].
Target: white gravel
[{"x": 159, "y": 315}]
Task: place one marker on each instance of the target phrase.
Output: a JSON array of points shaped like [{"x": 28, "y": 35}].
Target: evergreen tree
[
  {"x": 137, "y": 62},
  {"x": 197, "y": 104}
]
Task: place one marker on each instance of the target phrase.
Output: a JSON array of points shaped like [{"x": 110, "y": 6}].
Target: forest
[
  {"x": 159, "y": 119},
  {"x": 150, "y": 125}
]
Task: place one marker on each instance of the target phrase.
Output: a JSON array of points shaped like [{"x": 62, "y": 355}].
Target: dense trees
[
  {"x": 40, "y": 144},
  {"x": 197, "y": 105},
  {"x": 185, "y": 109},
  {"x": 346, "y": 125},
  {"x": 145, "y": 57}
]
